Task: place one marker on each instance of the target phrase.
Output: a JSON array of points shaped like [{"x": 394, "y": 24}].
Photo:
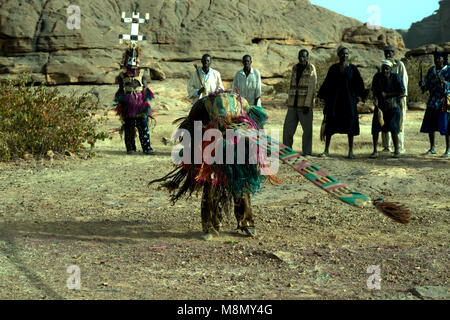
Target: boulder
[
  {"x": 428, "y": 49},
  {"x": 378, "y": 37},
  {"x": 33, "y": 63},
  {"x": 433, "y": 292}
]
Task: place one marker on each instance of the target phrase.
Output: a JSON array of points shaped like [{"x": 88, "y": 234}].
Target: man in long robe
[{"x": 340, "y": 90}]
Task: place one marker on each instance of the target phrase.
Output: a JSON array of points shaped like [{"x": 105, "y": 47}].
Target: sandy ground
[{"x": 129, "y": 242}]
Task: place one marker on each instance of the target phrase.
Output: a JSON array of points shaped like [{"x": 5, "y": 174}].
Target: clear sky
[{"x": 394, "y": 14}]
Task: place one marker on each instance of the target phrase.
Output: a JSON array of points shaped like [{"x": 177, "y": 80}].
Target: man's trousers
[
  {"x": 130, "y": 134},
  {"x": 293, "y": 117},
  {"x": 401, "y": 136}
]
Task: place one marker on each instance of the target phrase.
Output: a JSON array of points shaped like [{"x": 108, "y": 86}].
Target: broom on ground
[{"x": 393, "y": 210}]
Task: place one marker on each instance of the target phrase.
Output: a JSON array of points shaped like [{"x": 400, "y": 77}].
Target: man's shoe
[
  {"x": 250, "y": 232},
  {"x": 150, "y": 152},
  {"x": 374, "y": 155},
  {"x": 131, "y": 151},
  {"x": 396, "y": 155},
  {"x": 430, "y": 152},
  {"x": 207, "y": 236},
  {"x": 386, "y": 150},
  {"x": 446, "y": 155}
]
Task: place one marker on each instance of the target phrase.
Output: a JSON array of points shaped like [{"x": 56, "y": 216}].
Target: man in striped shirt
[{"x": 301, "y": 102}]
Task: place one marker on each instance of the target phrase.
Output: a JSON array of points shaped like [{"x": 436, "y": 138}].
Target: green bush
[{"x": 37, "y": 119}]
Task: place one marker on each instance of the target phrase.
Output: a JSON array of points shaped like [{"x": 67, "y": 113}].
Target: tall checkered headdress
[{"x": 131, "y": 55}]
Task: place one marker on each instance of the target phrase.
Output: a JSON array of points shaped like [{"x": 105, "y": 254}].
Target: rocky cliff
[
  {"x": 41, "y": 37},
  {"x": 433, "y": 29}
]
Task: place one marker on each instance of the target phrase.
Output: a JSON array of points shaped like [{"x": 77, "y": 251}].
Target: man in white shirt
[
  {"x": 399, "y": 68},
  {"x": 248, "y": 82},
  {"x": 204, "y": 81}
]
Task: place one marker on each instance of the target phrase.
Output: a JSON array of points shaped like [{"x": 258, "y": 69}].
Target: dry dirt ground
[{"x": 129, "y": 242}]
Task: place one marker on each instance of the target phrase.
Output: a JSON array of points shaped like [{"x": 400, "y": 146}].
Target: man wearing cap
[
  {"x": 388, "y": 89},
  {"x": 301, "y": 103},
  {"x": 397, "y": 67}
]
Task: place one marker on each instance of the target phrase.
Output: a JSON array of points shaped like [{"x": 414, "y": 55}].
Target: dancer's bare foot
[{"x": 211, "y": 233}]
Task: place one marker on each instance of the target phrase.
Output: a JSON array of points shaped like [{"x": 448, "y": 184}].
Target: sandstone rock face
[
  {"x": 433, "y": 29},
  {"x": 423, "y": 32},
  {"x": 444, "y": 12},
  {"x": 428, "y": 49},
  {"x": 41, "y": 37},
  {"x": 373, "y": 36}
]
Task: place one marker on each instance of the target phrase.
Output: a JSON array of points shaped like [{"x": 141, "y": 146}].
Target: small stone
[
  {"x": 431, "y": 292},
  {"x": 282, "y": 256},
  {"x": 27, "y": 156},
  {"x": 110, "y": 203}
]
